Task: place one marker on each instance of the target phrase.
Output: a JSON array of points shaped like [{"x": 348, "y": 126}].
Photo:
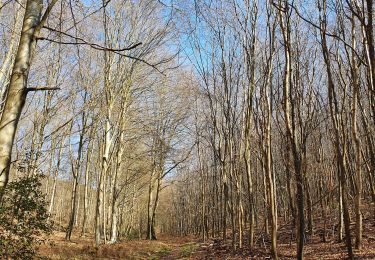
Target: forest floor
[{"x": 189, "y": 247}]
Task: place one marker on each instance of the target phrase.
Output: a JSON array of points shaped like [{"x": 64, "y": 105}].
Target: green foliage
[
  {"x": 24, "y": 222},
  {"x": 131, "y": 234},
  {"x": 164, "y": 251},
  {"x": 188, "y": 249}
]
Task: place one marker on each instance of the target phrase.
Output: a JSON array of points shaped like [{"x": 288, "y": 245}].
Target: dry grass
[{"x": 84, "y": 248}]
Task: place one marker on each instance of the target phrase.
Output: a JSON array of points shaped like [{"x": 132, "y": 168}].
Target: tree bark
[
  {"x": 16, "y": 97},
  {"x": 52, "y": 200},
  {"x": 76, "y": 167},
  {"x": 10, "y": 55},
  {"x": 334, "y": 114}
]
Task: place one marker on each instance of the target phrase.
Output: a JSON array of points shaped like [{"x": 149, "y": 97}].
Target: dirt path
[{"x": 83, "y": 248}]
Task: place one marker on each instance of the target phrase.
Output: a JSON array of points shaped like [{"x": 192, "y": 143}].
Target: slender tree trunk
[
  {"x": 266, "y": 204},
  {"x": 224, "y": 201},
  {"x": 52, "y": 200},
  {"x": 290, "y": 128},
  {"x": 100, "y": 214},
  {"x": 370, "y": 54},
  {"x": 323, "y": 209},
  {"x": 100, "y": 203},
  {"x": 150, "y": 201},
  {"x": 357, "y": 144},
  {"x": 251, "y": 198},
  {"x": 9, "y": 57},
  {"x": 114, "y": 206},
  {"x": 87, "y": 179},
  {"x": 341, "y": 216},
  {"x": 154, "y": 207},
  {"x": 73, "y": 208},
  {"x": 203, "y": 191},
  {"x": 289, "y": 187},
  {"x": 76, "y": 167},
  {"x": 271, "y": 187},
  {"x": 309, "y": 207},
  {"x": 334, "y": 114}
]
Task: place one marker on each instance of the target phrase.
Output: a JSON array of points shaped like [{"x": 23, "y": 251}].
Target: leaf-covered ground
[
  {"x": 83, "y": 248},
  {"x": 193, "y": 248}
]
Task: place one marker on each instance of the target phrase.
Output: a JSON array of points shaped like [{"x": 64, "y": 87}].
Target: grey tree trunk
[
  {"x": 55, "y": 177},
  {"x": 10, "y": 55},
  {"x": 114, "y": 205},
  {"x": 334, "y": 114},
  {"x": 87, "y": 178},
  {"x": 150, "y": 228},
  {"x": 16, "y": 97},
  {"x": 32, "y": 23},
  {"x": 75, "y": 172}
]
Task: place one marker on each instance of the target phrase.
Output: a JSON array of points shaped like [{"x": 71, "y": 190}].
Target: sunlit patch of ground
[{"x": 84, "y": 248}]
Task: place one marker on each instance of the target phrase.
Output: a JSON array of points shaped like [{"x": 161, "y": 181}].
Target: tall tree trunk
[
  {"x": 16, "y": 97},
  {"x": 309, "y": 206},
  {"x": 155, "y": 206},
  {"x": 76, "y": 167},
  {"x": 10, "y": 55},
  {"x": 290, "y": 126},
  {"x": 114, "y": 206},
  {"x": 370, "y": 54},
  {"x": 270, "y": 183},
  {"x": 204, "y": 228},
  {"x": 334, "y": 114},
  {"x": 99, "y": 215},
  {"x": 150, "y": 201},
  {"x": 87, "y": 179},
  {"x": 18, "y": 86},
  {"x": 73, "y": 207},
  {"x": 52, "y": 200},
  {"x": 357, "y": 144}
]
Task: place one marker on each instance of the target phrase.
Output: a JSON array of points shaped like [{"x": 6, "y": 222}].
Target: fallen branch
[{"x": 42, "y": 89}]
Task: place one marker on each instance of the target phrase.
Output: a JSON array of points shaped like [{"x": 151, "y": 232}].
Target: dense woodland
[{"x": 238, "y": 120}]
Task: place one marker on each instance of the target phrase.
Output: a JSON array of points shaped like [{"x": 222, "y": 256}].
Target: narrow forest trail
[
  {"x": 190, "y": 247},
  {"x": 165, "y": 247}
]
